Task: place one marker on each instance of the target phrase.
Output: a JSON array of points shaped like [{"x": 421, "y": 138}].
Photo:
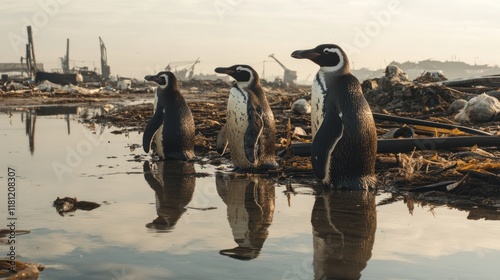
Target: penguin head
[
  {"x": 164, "y": 79},
  {"x": 244, "y": 75},
  {"x": 330, "y": 57}
]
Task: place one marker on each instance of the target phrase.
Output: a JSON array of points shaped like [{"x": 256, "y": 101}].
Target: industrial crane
[
  {"x": 105, "y": 69},
  {"x": 290, "y": 76},
  {"x": 65, "y": 59},
  {"x": 185, "y": 73}
]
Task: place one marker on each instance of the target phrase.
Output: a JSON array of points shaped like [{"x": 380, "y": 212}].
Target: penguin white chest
[
  {"x": 318, "y": 94},
  {"x": 158, "y": 140},
  {"x": 237, "y": 124}
]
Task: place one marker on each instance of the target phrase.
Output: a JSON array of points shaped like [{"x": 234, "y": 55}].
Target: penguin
[
  {"x": 250, "y": 131},
  {"x": 171, "y": 128},
  {"x": 344, "y": 146}
]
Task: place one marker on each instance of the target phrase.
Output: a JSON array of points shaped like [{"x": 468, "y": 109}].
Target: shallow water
[{"x": 180, "y": 221}]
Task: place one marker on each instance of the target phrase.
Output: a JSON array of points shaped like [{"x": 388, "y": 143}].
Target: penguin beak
[
  {"x": 224, "y": 70},
  {"x": 309, "y": 54},
  {"x": 151, "y": 78}
]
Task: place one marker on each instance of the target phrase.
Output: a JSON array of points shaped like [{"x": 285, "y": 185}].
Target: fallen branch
[{"x": 384, "y": 117}]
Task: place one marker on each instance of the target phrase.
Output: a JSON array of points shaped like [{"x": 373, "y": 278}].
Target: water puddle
[{"x": 170, "y": 220}]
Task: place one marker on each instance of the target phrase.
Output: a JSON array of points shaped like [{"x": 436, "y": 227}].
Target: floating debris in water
[
  {"x": 69, "y": 204},
  {"x": 19, "y": 270}
]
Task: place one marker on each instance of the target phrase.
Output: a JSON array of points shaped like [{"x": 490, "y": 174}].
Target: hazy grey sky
[{"x": 144, "y": 36}]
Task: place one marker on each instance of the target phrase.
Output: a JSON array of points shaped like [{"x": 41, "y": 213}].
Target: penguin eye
[{"x": 326, "y": 51}]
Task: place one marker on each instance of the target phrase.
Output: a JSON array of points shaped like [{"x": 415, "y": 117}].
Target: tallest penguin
[{"x": 344, "y": 144}]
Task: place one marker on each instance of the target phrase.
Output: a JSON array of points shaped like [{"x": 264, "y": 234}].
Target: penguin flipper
[
  {"x": 253, "y": 132},
  {"x": 327, "y": 137},
  {"x": 222, "y": 141},
  {"x": 154, "y": 123}
]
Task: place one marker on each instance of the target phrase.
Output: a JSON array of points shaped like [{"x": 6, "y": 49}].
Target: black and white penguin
[
  {"x": 344, "y": 145},
  {"x": 249, "y": 132},
  {"x": 171, "y": 128}
]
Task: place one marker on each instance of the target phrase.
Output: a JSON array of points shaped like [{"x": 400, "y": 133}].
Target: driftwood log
[{"x": 410, "y": 144}]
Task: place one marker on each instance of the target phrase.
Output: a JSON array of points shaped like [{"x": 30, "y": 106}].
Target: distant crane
[
  {"x": 30, "y": 54},
  {"x": 65, "y": 59},
  {"x": 290, "y": 76},
  {"x": 105, "y": 69},
  {"x": 185, "y": 73}
]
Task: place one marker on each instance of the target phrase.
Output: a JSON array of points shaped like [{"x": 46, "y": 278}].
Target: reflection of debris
[
  {"x": 24, "y": 271},
  {"x": 133, "y": 147},
  {"x": 68, "y": 204},
  {"x": 6, "y": 232}
]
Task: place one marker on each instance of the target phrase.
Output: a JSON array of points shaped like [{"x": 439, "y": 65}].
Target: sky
[{"x": 142, "y": 37}]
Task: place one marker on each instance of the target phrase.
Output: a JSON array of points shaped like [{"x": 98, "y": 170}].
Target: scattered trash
[
  {"x": 456, "y": 106},
  {"x": 431, "y": 77},
  {"x": 124, "y": 84},
  {"x": 396, "y": 94},
  {"x": 68, "y": 205},
  {"x": 23, "y": 271},
  {"x": 482, "y": 108},
  {"x": 299, "y": 131},
  {"x": 301, "y": 107},
  {"x": 48, "y": 86}
]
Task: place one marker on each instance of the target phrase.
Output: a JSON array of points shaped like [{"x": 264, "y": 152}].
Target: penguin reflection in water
[
  {"x": 344, "y": 147},
  {"x": 249, "y": 132},
  {"x": 170, "y": 133},
  {"x": 250, "y": 211},
  {"x": 173, "y": 183},
  {"x": 344, "y": 225}
]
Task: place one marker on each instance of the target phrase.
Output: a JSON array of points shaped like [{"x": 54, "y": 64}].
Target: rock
[
  {"x": 393, "y": 76},
  {"x": 395, "y": 73},
  {"x": 108, "y": 107},
  {"x": 299, "y": 131},
  {"x": 494, "y": 93},
  {"x": 482, "y": 108},
  {"x": 456, "y": 106},
  {"x": 301, "y": 107},
  {"x": 431, "y": 77}
]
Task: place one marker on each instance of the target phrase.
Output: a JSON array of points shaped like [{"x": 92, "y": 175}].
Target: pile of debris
[
  {"x": 472, "y": 100},
  {"x": 395, "y": 93}
]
